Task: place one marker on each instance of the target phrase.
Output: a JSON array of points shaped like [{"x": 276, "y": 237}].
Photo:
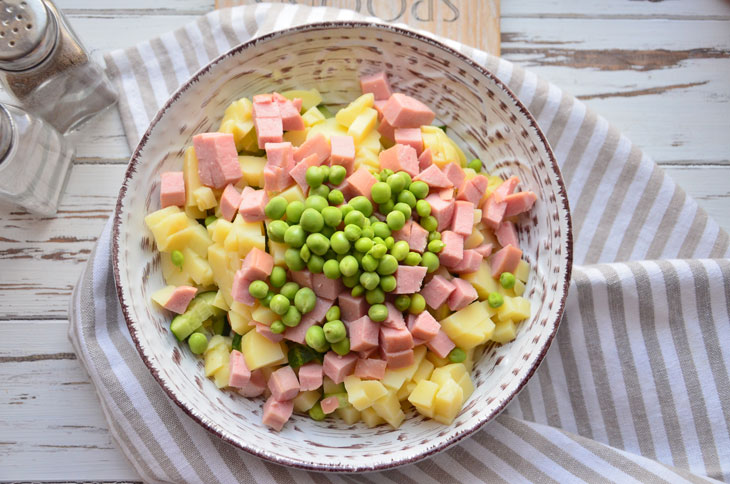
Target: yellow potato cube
[
  {"x": 310, "y": 98},
  {"x": 363, "y": 124},
  {"x": 371, "y": 418},
  {"x": 259, "y": 351},
  {"x": 221, "y": 229},
  {"x": 436, "y": 360},
  {"x": 197, "y": 267},
  {"x": 252, "y": 168},
  {"x": 347, "y": 115},
  {"x": 158, "y": 216},
  {"x": 330, "y": 387},
  {"x": 523, "y": 271},
  {"x": 306, "y": 400},
  {"x": 482, "y": 280},
  {"x": 349, "y": 414},
  {"x": 470, "y": 326},
  {"x": 371, "y": 142},
  {"x": 424, "y": 371},
  {"x": 239, "y": 323},
  {"x": 312, "y": 116},
  {"x": 172, "y": 274},
  {"x": 474, "y": 240},
  {"x": 204, "y": 198},
  {"x": 469, "y": 173},
  {"x": 423, "y": 397},
  {"x": 215, "y": 359},
  {"x": 194, "y": 237},
  {"x": 161, "y": 296},
  {"x": 223, "y": 375},
  {"x": 220, "y": 302},
  {"x": 514, "y": 308},
  {"x": 388, "y": 407},
  {"x": 264, "y": 315},
  {"x": 296, "y": 138},
  {"x": 519, "y": 288},
  {"x": 368, "y": 159},
  {"x": 171, "y": 224},
  {"x": 293, "y": 193},
  {"x": 477, "y": 216},
  {"x": 277, "y": 251},
  {"x": 218, "y": 259},
  {"x": 328, "y": 128},
  {"x": 456, "y": 372},
  {"x": 504, "y": 332},
  {"x": 238, "y": 120},
  {"x": 243, "y": 309},
  {"x": 192, "y": 183},
  {"x": 216, "y": 341},
  {"x": 448, "y": 402},
  {"x": 244, "y": 236},
  {"x": 404, "y": 391},
  {"x": 394, "y": 379},
  {"x": 469, "y": 361},
  {"x": 361, "y": 394},
  {"x": 441, "y": 312}
]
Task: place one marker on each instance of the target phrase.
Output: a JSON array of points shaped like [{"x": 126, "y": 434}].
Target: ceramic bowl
[{"x": 482, "y": 115}]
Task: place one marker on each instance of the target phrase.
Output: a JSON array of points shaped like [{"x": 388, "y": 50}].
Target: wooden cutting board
[{"x": 471, "y": 22}]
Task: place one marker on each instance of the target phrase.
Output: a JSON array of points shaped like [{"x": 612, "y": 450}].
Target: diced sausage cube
[
  {"x": 180, "y": 298},
  {"x": 310, "y": 376},
  {"x": 400, "y": 359},
  {"x": 393, "y": 340},
  {"x": 418, "y": 238},
  {"x": 394, "y": 318},
  {"x": 443, "y": 210},
  {"x": 343, "y": 152},
  {"x": 385, "y": 129},
  {"x": 276, "y": 178},
  {"x": 266, "y": 109},
  {"x": 507, "y": 187},
  {"x": 470, "y": 192},
  {"x": 172, "y": 189},
  {"x": 230, "y": 200},
  {"x": 434, "y": 178},
  {"x": 518, "y": 203},
  {"x": 239, "y": 290},
  {"x": 364, "y": 334},
  {"x": 299, "y": 332},
  {"x": 257, "y": 264},
  {"x": 329, "y": 404},
  {"x": 505, "y": 260},
  {"x": 370, "y": 369},
  {"x": 462, "y": 221},
  {"x": 484, "y": 250},
  {"x": 507, "y": 234},
  {"x": 352, "y": 308},
  {"x": 411, "y": 137},
  {"x": 316, "y": 145},
  {"x": 463, "y": 295},
  {"x": 266, "y": 332},
  {"x": 425, "y": 159},
  {"x": 268, "y": 130},
  {"x": 441, "y": 345},
  {"x": 408, "y": 279},
  {"x": 320, "y": 310},
  {"x": 281, "y": 155},
  {"x": 291, "y": 120},
  {"x": 299, "y": 172},
  {"x": 217, "y": 159},
  {"x": 470, "y": 262},
  {"x": 283, "y": 384},
  {"x": 360, "y": 183},
  {"x": 377, "y": 84},
  {"x": 277, "y": 413},
  {"x": 453, "y": 249},
  {"x": 493, "y": 212},
  {"x": 239, "y": 374},
  {"x": 424, "y": 326},
  {"x": 399, "y": 158},
  {"x": 303, "y": 278},
  {"x": 325, "y": 287},
  {"x": 456, "y": 174},
  {"x": 403, "y": 111},
  {"x": 437, "y": 291},
  {"x": 338, "y": 367},
  {"x": 253, "y": 204}
]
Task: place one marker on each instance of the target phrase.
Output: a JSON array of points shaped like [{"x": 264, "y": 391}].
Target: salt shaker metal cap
[{"x": 28, "y": 34}]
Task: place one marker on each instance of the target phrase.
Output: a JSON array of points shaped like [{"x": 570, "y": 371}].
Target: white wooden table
[{"x": 660, "y": 70}]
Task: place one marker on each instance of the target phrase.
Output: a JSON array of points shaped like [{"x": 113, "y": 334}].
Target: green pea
[
  {"x": 357, "y": 291},
  {"x": 379, "y": 240},
  {"x": 436, "y": 246},
  {"x": 294, "y": 236},
  {"x": 381, "y": 229},
  {"x": 345, "y": 209},
  {"x": 316, "y": 202},
  {"x": 369, "y": 280},
  {"x": 403, "y": 302},
  {"x": 430, "y": 261},
  {"x": 368, "y": 233},
  {"x": 434, "y": 236},
  {"x": 380, "y": 192},
  {"x": 267, "y": 300},
  {"x": 294, "y": 211},
  {"x": 278, "y": 276},
  {"x": 327, "y": 231},
  {"x": 335, "y": 197},
  {"x": 351, "y": 281},
  {"x": 316, "y": 413},
  {"x": 279, "y": 304},
  {"x": 387, "y": 207},
  {"x": 400, "y": 250},
  {"x": 277, "y": 327},
  {"x": 362, "y": 204},
  {"x": 388, "y": 283},
  {"x": 334, "y": 331},
  {"x": 292, "y": 317},
  {"x": 339, "y": 243},
  {"x": 342, "y": 347},
  {"x": 311, "y": 220},
  {"x": 355, "y": 217},
  {"x": 348, "y": 265},
  {"x": 378, "y": 312},
  {"x": 396, "y": 220},
  {"x": 373, "y": 219},
  {"x": 305, "y": 300},
  {"x": 389, "y": 242},
  {"x": 412, "y": 259},
  {"x": 419, "y": 189},
  {"x": 305, "y": 253},
  {"x": 325, "y": 172},
  {"x": 378, "y": 250},
  {"x": 318, "y": 244},
  {"x": 507, "y": 280},
  {"x": 210, "y": 219},
  {"x": 276, "y": 208},
  {"x": 331, "y": 269},
  {"x": 289, "y": 290},
  {"x": 429, "y": 223},
  {"x": 495, "y": 299},
  {"x": 321, "y": 191},
  {"x": 258, "y": 289},
  {"x": 315, "y": 264},
  {"x": 406, "y": 177},
  {"x": 384, "y": 174},
  {"x": 337, "y": 174},
  {"x": 276, "y": 230},
  {"x": 457, "y": 355},
  {"x": 397, "y": 183},
  {"x": 293, "y": 260},
  {"x": 352, "y": 232},
  {"x": 407, "y": 197},
  {"x": 314, "y": 176},
  {"x": 475, "y": 165},
  {"x": 423, "y": 208},
  {"x": 198, "y": 343},
  {"x": 332, "y": 216},
  {"x": 387, "y": 265},
  {"x": 369, "y": 263},
  {"x": 404, "y": 209},
  {"x": 177, "y": 258},
  {"x": 332, "y": 313},
  {"x": 375, "y": 296},
  {"x": 418, "y": 304},
  {"x": 314, "y": 337},
  {"x": 363, "y": 245}
]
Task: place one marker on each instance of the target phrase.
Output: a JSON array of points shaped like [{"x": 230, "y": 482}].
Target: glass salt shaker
[
  {"x": 35, "y": 161},
  {"x": 46, "y": 68}
]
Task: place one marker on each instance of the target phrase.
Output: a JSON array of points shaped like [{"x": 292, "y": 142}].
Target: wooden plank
[
  {"x": 650, "y": 9},
  {"x": 709, "y": 186},
  {"x": 51, "y": 424}
]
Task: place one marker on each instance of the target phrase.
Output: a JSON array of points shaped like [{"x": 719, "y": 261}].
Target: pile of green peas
[{"x": 291, "y": 303}]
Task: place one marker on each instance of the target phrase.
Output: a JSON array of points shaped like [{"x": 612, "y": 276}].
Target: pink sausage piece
[
  {"x": 343, "y": 152},
  {"x": 283, "y": 384},
  {"x": 463, "y": 295},
  {"x": 276, "y": 179},
  {"x": 281, "y": 155},
  {"x": 303, "y": 278},
  {"x": 385, "y": 129},
  {"x": 266, "y": 108},
  {"x": 277, "y": 413},
  {"x": 360, "y": 183},
  {"x": 441, "y": 344},
  {"x": 408, "y": 279},
  {"x": 268, "y": 130},
  {"x": 453, "y": 251},
  {"x": 434, "y": 178},
  {"x": 317, "y": 314},
  {"x": 266, "y": 332},
  {"x": 298, "y": 332},
  {"x": 364, "y": 334},
  {"x": 378, "y": 105},
  {"x": 505, "y": 260},
  {"x": 404, "y": 233},
  {"x": 493, "y": 212},
  {"x": 442, "y": 209},
  {"x": 484, "y": 250},
  {"x": 411, "y": 137},
  {"x": 507, "y": 234},
  {"x": 455, "y": 173},
  {"x": 399, "y": 158},
  {"x": 470, "y": 190},
  {"x": 470, "y": 262},
  {"x": 368, "y": 353},
  {"x": 418, "y": 238},
  {"x": 338, "y": 367},
  {"x": 370, "y": 369},
  {"x": 437, "y": 291},
  {"x": 403, "y": 111},
  {"x": 299, "y": 172},
  {"x": 352, "y": 308},
  {"x": 310, "y": 376},
  {"x": 463, "y": 220},
  {"x": 329, "y": 404},
  {"x": 255, "y": 386},
  {"x": 230, "y": 200},
  {"x": 239, "y": 290},
  {"x": 424, "y": 327},
  {"x": 400, "y": 359},
  {"x": 180, "y": 298},
  {"x": 217, "y": 159},
  {"x": 316, "y": 145},
  {"x": 518, "y": 203},
  {"x": 257, "y": 264},
  {"x": 393, "y": 340},
  {"x": 506, "y": 188},
  {"x": 172, "y": 189},
  {"x": 394, "y": 318},
  {"x": 377, "y": 84},
  {"x": 425, "y": 160},
  {"x": 253, "y": 204},
  {"x": 325, "y": 287},
  {"x": 291, "y": 120},
  {"x": 239, "y": 375}
]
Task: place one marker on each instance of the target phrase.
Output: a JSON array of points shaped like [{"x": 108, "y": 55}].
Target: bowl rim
[{"x": 313, "y": 27}]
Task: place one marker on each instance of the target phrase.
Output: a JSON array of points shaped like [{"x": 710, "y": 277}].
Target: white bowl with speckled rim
[{"x": 482, "y": 115}]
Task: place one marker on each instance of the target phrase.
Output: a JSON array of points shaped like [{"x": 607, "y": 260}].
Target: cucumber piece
[
  {"x": 325, "y": 112},
  {"x": 199, "y": 309},
  {"x": 236, "y": 341},
  {"x": 300, "y": 355},
  {"x": 332, "y": 388},
  {"x": 341, "y": 397}
]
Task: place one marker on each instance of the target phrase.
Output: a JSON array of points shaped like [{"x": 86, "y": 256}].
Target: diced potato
[
  {"x": 220, "y": 302},
  {"x": 215, "y": 359},
  {"x": 277, "y": 251},
  {"x": 523, "y": 271},
  {"x": 504, "y": 332},
  {"x": 482, "y": 280},
  {"x": 192, "y": 183},
  {"x": 161, "y": 296},
  {"x": 367, "y": 158},
  {"x": 328, "y": 128},
  {"x": 492, "y": 183},
  {"x": 204, "y": 198},
  {"x": 470, "y": 326},
  {"x": 293, "y": 193},
  {"x": 218, "y": 259},
  {"x": 223, "y": 375},
  {"x": 349, "y": 414},
  {"x": 239, "y": 322},
  {"x": 363, "y": 124},
  {"x": 347, "y": 115},
  {"x": 424, "y": 371},
  {"x": 448, "y": 402},
  {"x": 394, "y": 379},
  {"x": 436, "y": 360},
  {"x": 238, "y": 120},
  {"x": 296, "y": 138},
  {"x": 388, "y": 407},
  {"x": 264, "y": 315},
  {"x": 221, "y": 229},
  {"x": 172, "y": 274},
  {"x": 252, "y": 168},
  {"x": 310, "y": 98},
  {"x": 474, "y": 240},
  {"x": 514, "y": 308},
  {"x": 158, "y": 216},
  {"x": 216, "y": 341},
  {"x": 194, "y": 237},
  {"x": 244, "y": 236},
  {"x": 169, "y": 225},
  {"x": 243, "y": 309},
  {"x": 371, "y": 142},
  {"x": 469, "y": 361},
  {"x": 456, "y": 372},
  {"x": 404, "y": 391},
  {"x": 469, "y": 173},
  {"x": 312, "y": 116},
  {"x": 197, "y": 267},
  {"x": 441, "y": 312},
  {"x": 361, "y": 394},
  {"x": 306, "y": 400},
  {"x": 331, "y": 387},
  {"x": 423, "y": 397},
  {"x": 477, "y": 215},
  {"x": 519, "y": 288},
  {"x": 259, "y": 351},
  {"x": 371, "y": 418}
]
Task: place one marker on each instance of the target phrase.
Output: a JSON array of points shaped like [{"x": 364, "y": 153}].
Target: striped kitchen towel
[{"x": 635, "y": 387}]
